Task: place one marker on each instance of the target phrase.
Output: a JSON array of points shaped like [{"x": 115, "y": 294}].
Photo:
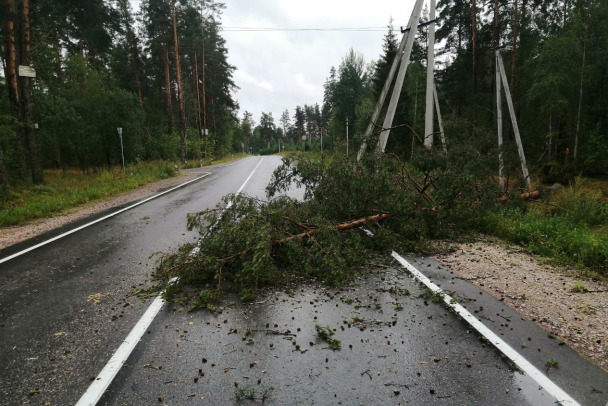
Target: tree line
[
  {"x": 160, "y": 74},
  {"x": 557, "y": 68}
]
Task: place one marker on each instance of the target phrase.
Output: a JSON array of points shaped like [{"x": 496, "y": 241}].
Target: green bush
[{"x": 563, "y": 237}]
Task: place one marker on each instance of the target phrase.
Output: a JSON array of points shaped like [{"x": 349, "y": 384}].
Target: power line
[{"x": 272, "y": 29}]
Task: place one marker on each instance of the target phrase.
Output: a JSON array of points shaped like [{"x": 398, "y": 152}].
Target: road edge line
[
  {"x": 558, "y": 393},
  {"x": 110, "y": 370},
  {"x": 50, "y": 240}
]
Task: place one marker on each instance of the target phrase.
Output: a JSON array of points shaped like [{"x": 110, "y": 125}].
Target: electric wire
[{"x": 272, "y": 29}]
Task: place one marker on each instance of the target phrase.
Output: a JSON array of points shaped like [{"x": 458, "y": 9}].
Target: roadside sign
[{"x": 27, "y": 71}]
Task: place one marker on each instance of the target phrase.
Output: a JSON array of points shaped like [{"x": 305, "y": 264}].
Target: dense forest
[
  {"x": 557, "y": 68},
  {"x": 162, "y": 75}
]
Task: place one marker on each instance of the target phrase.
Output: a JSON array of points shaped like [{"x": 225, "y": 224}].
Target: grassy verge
[
  {"x": 65, "y": 190},
  {"x": 571, "y": 229},
  {"x": 196, "y": 163}
]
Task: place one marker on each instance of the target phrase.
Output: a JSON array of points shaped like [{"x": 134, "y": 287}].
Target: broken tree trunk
[{"x": 349, "y": 225}]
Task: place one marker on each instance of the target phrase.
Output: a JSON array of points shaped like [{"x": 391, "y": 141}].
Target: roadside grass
[
  {"x": 64, "y": 191},
  {"x": 572, "y": 229},
  {"x": 196, "y": 163}
]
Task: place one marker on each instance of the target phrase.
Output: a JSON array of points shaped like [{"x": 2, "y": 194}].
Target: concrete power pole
[
  {"x": 405, "y": 60},
  {"x": 520, "y": 148},
  {"x": 430, "y": 74},
  {"x": 501, "y": 164},
  {"x": 383, "y": 94}
]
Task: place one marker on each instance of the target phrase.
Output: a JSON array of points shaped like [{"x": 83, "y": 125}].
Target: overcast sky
[{"x": 281, "y": 69}]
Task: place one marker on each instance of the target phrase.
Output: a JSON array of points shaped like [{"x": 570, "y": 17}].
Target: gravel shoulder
[{"x": 544, "y": 293}]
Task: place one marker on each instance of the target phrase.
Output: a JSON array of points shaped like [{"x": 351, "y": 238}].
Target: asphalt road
[{"x": 66, "y": 307}]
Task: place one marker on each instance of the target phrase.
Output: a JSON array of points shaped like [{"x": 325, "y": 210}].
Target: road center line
[
  {"x": 111, "y": 369},
  {"x": 25, "y": 251},
  {"x": 558, "y": 393},
  {"x": 197, "y": 248}
]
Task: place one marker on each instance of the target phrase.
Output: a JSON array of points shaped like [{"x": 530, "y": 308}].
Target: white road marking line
[
  {"x": 196, "y": 249},
  {"x": 110, "y": 370},
  {"x": 249, "y": 177},
  {"x": 25, "y": 251},
  {"x": 558, "y": 393}
]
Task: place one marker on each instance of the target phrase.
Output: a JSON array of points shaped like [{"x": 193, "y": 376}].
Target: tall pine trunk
[
  {"x": 514, "y": 53},
  {"x": 204, "y": 120},
  {"x": 168, "y": 96},
  {"x": 17, "y": 41},
  {"x": 10, "y": 68},
  {"x": 495, "y": 45},
  {"x": 131, "y": 42},
  {"x": 4, "y": 186},
  {"x": 134, "y": 59},
  {"x": 580, "y": 93},
  {"x": 180, "y": 91},
  {"x": 27, "y": 102},
  {"x": 474, "y": 42},
  {"x": 195, "y": 79}
]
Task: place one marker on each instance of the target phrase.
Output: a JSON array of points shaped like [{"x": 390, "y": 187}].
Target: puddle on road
[{"x": 533, "y": 393}]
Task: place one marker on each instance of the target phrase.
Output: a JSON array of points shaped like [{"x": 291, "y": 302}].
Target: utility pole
[
  {"x": 520, "y": 148},
  {"x": 441, "y": 132},
  {"x": 501, "y": 164},
  {"x": 405, "y": 60},
  {"x": 430, "y": 73}
]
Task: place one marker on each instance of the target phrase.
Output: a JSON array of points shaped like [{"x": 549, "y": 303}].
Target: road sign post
[{"x": 122, "y": 152}]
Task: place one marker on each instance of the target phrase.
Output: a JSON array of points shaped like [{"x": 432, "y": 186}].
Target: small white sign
[{"x": 27, "y": 71}]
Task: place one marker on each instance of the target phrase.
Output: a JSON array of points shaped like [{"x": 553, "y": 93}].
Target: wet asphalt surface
[
  {"x": 395, "y": 350},
  {"x": 66, "y": 307}
]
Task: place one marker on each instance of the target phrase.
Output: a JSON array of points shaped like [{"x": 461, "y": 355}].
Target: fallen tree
[{"x": 249, "y": 243}]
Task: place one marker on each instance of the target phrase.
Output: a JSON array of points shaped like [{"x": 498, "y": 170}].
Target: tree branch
[{"x": 340, "y": 227}]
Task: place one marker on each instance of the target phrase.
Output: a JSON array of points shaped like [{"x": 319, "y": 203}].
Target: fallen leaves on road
[{"x": 96, "y": 298}]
